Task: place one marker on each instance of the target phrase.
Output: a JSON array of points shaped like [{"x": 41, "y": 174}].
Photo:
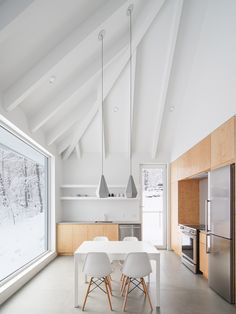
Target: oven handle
[
  {"x": 188, "y": 234},
  {"x": 208, "y": 247}
]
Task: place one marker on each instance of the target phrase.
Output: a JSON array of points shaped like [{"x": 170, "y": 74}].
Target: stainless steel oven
[{"x": 189, "y": 246}]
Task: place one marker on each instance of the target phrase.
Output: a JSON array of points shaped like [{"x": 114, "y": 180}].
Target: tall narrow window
[
  {"x": 23, "y": 203},
  {"x": 153, "y": 178}
]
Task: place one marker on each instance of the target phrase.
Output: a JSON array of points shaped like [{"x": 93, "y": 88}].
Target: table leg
[
  {"x": 76, "y": 271},
  {"x": 158, "y": 282}
]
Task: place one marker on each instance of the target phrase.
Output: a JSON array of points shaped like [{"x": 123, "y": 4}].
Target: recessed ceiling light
[
  {"x": 172, "y": 108},
  {"x": 115, "y": 109},
  {"x": 52, "y": 79}
]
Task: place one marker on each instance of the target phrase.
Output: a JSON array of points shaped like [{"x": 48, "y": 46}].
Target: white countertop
[{"x": 99, "y": 223}]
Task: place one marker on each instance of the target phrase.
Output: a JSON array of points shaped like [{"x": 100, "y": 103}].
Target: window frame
[
  {"x": 50, "y": 216},
  {"x": 165, "y": 199}
]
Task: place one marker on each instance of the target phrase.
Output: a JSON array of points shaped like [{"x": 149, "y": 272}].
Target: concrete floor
[{"x": 51, "y": 292}]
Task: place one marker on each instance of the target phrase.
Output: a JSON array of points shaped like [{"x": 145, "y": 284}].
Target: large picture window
[{"x": 23, "y": 203}]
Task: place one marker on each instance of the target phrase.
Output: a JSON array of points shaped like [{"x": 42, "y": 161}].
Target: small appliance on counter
[{"x": 190, "y": 246}]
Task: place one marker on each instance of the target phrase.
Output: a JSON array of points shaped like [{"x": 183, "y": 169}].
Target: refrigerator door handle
[
  {"x": 207, "y": 204},
  {"x": 208, "y": 246}
]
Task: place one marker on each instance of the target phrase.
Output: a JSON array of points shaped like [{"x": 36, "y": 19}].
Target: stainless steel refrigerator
[{"x": 221, "y": 232}]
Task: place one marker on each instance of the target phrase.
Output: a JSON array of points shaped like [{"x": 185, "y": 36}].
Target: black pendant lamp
[
  {"x": 102, "y": 190},
  {"x": 131, "y": 191}
]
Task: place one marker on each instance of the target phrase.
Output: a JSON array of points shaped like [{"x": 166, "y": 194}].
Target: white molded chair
[
  {"x": 122, "y": 262},
  {"x": 135, "y": 268},
  {"x": 101, "y": 238},
  {"x": 130, "y": 239},
  {"x": 97, "y": 265}
]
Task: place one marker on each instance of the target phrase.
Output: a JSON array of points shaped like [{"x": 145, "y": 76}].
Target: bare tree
[{"x": 39, "y": 187}]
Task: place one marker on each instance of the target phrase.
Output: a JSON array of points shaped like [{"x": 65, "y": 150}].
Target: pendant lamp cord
[
  {"x": 102, "y": 103},
  {"x": 130, "y": 109}
]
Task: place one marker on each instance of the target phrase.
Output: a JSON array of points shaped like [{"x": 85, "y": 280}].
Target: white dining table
[{"x": 116, "y": 250}]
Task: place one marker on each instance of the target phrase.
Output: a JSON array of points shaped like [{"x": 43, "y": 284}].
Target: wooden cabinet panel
[
  {"x": 95, "y": 231},
  {"x": 196, "y": 160},
  {"x": 112, "y": 232},
  {"x": 64, "y": 239},
  {"x": 79, "y": 235},
  {"x": 188, "y": 202},
  {"x": 175, "y": 234},
  {"x": 223, "y": 144},
  {"x": 203, "y": 255},
  {"x": 71, "y": 236}
]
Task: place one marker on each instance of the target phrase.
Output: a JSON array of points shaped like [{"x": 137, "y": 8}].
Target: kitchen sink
[{"x": 103, "y": 221}]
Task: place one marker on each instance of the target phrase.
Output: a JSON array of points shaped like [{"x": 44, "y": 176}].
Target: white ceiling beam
[
  {"x": 167, "y": 73},
  {"x": 80, "y": 130},
  {"x": 153, "y": 7},
  {"x": 113, "y": 73},
  {"x": 70, "y": 92},
  {"x": 10, "y": 11},
  {"x": 91, "y": 71},
  {"x": 78, "y": 39},
  {"x": 78, "y": 150},
  {"x": 73, "y": 117},
  {"x": 66, "y": 154}
]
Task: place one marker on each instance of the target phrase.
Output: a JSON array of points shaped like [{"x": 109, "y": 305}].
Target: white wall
[
  {"x": 202, "y": 86},
  {"x": 87, "y": 171}
]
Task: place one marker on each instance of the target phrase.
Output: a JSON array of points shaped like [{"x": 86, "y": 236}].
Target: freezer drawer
[
  {"x": 130, "y": 231},
  {"x": 221, "y": 268}
]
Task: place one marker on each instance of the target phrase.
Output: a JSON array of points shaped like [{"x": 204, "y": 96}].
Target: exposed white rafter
[
  {"x": 69, "y": 121},
  {"x": 16, "y": 93},
  {"x": 10, "y": 11},
  {"x": 167, "y": 72},
  {"x": 70, "y": 92},
  {"x": 92, "y": 70},
  {"x": 80, "y": 130},
  {"x": 113, "y": 72},
  {"x": 78, "y": 150}
]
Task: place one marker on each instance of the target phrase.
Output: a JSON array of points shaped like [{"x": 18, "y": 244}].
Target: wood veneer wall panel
[
  {"x": 188, "y": 202},
  {"x": 223, "y": 144}
]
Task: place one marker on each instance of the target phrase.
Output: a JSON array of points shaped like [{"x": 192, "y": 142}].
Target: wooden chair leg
[
  {"x": 87, "y": 293},
  {"x": 126, "y": 295},
  {"x": 144, "y": 288},
  {"x": 109, "y": 284},
  {"x": 108, "y": 294},
  {"x": 147, "y": 293},
  {"x": 121, "y": 277},
  {"x": 124, "y": 285},
  {"x": 122, "y": 282}
]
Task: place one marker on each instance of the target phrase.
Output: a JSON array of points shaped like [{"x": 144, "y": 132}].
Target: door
[
  {"x": 153, "y": 204},
  {"x": 220, "y": 267},
  {"x": 220, "y": 205}
]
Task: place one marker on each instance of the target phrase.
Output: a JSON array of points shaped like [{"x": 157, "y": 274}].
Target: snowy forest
[{"x": 23, "y": 210}]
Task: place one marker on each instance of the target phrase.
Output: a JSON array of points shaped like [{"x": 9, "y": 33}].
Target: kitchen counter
[{"x": 99, "y": 223}]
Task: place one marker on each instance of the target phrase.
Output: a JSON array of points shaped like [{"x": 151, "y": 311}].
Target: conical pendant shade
[
  {"x": 131, "y": 191},
  {"x": 102, "y": 190}
]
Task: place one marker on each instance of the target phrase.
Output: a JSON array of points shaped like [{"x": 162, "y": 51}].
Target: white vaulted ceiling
[{"x": 57, "y": 40}]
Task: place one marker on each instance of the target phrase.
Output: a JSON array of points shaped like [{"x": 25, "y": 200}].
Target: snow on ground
[{"x": 21, "y": 243}]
